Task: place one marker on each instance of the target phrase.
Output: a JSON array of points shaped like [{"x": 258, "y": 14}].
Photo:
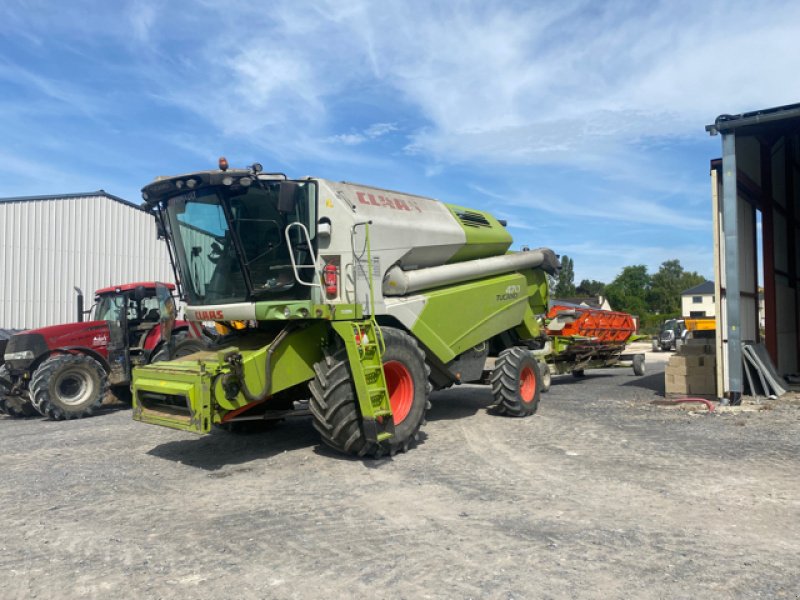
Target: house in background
[{"x": 698, "y": 301}]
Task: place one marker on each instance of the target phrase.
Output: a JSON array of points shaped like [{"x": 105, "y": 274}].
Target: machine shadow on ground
[
  {"x": 459, "y": 402},
  {"x": 222, "y": 448},
  {"x": 653, "y": 382},
  {"x": 587, "y": 377}
]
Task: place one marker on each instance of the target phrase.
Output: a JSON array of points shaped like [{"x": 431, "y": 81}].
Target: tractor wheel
[
  {"x": 578, "y": 373},
  {"x": 68, "y": 386},
  {"x": 516, "y": 383},
  {"x": 547, "y": 377},
  {"x": 334, "y": 405},
  {"x": 184, "y": 346},
  {"x": 13, "y": 406},
  {"x": 638, "y": 364}
]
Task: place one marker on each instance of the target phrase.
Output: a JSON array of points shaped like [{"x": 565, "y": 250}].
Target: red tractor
[{"x": 64, "y": 371}]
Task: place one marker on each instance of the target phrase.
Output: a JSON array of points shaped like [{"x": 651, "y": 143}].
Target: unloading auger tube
[{"x": 398, "y": 282}]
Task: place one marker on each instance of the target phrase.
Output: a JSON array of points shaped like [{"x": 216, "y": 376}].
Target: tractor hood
[{"x": 25, "y": 347}]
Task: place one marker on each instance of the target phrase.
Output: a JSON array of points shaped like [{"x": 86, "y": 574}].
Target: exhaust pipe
[{"x": 80, "y": 304}]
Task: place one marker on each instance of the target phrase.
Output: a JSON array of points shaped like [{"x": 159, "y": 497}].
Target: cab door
[
  {"x": 118, "y": 350},
  {"x": 168, "y": 310}
]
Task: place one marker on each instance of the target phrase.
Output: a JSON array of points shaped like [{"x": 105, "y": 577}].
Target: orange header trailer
[{"x": 602, "y": 325}]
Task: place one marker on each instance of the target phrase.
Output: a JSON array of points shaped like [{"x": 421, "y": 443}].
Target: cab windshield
[
  {"x": 109, "y": 308},
  {"x": 232, "y": 243}
]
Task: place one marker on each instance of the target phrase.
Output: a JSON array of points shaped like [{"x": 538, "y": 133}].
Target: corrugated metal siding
[{"x": 49, "y": 246}]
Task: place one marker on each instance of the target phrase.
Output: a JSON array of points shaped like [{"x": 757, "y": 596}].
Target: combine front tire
[
  {"x": 13, "y": 405},
  {"x": 68, "y": 386},
  {"x": 334, "y": 405},
  {"x": 516, "y": 383}
]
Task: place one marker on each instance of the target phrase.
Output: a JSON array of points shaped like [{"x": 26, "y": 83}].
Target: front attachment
[{"x": 175, "y": 394}]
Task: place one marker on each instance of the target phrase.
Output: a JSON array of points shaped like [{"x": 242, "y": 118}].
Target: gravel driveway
[{"x": 599, "y": 495}]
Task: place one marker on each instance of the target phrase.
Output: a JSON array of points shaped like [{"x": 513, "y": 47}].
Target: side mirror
[
  {"x": 286, "y": 198},
  {"x": 139, "y": 293},
  {"x": 161, "y": 234}
]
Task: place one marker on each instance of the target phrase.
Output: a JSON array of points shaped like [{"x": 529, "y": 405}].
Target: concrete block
[
  {"x": 695, "y": 349},
  {"x": 700, "y": 383},
  {"x": 684, "y": 365}
]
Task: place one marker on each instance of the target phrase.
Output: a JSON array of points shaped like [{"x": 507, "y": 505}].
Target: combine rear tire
[
  {"x": 516, "y": 383},
  {"x": 68, "y": 386},
  {"x": 13, "y": 406},
  {"x": 334, "y": 405}
]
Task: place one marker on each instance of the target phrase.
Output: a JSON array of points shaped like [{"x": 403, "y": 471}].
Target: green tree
[
  {"x": 667, "y": 285},
  {"x": 630, "y": 290},
  {"x": 591, "y": 287},
  {"x": 565, "y": 283}
]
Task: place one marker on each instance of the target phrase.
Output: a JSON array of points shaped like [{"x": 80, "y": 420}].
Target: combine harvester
[
  {"x": 358, "y": 302},
  {"x": 586, "y": 338}
]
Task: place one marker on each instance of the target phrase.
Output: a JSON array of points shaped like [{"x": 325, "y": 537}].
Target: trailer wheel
[
  {"x": 638, "y": 365},
  {"x": 547, "y": 377},
  {"x": 334, "y": 405},
  {"x": 516, "y": 383},
  {"x": 579, "y": 373},
  {"x": 13, "y": 406},
  {"x": 68, "y": 386}
]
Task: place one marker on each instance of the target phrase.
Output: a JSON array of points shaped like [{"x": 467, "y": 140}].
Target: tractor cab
[{"x": 139, "y": 317}]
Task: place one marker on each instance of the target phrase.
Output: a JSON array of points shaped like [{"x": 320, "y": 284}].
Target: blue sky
[{"x": 581, "y": 123}]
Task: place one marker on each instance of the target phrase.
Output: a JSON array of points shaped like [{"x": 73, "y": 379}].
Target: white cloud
[
  {"x": 580, "y": 84},
  {"x": 142, "y": 16},
  {"x": 349, "y": 139},
  {"x": 377, "y": 130}
]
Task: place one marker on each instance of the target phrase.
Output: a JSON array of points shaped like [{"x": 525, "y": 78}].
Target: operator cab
[{"x": 239, "y": 236}]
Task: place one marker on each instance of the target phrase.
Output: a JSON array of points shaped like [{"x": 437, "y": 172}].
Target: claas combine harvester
[{"x": 352, "y": 303}]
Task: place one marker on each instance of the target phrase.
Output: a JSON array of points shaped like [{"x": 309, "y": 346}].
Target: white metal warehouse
[{"x": 51, "y": 244}]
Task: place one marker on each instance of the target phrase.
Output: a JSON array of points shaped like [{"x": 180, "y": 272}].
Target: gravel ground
[{"x": 599, "y": 495}]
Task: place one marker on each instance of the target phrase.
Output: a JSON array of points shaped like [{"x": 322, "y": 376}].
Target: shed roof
[
  {"x": 765, "y": 117},
  {"x": 705, "y": 288},
  {"x": 96, "y": 194}
]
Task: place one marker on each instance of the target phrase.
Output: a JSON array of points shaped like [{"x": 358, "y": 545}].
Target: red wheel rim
[
  {"x": 400, "y": 385},
  {"x": 527, "y": 384}
]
